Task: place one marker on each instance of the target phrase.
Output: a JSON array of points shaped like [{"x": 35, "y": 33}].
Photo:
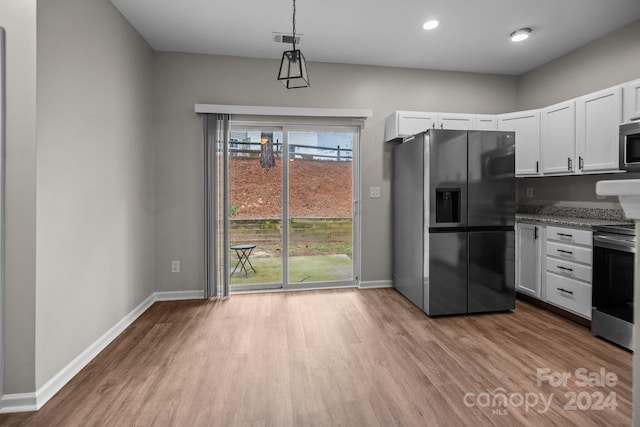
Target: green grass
[{"x": 302, "y": 269}]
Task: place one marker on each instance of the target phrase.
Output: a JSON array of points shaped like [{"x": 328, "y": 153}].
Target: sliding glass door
[
  {"x": 255, "y": 182},
  {"x": 290, "y": 201},
  {"x": 320, "y": 207}
]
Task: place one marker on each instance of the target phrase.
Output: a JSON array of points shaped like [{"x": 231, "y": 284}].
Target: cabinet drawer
[
  {"x": 569, "y": 269},
  {"x": 569, "y": 252},
  {"x": 570, "y": 235},
  {"x": 569, "y": 294}
]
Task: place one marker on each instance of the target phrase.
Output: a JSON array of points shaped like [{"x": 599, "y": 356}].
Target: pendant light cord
[{"x": 294, "y": 24}]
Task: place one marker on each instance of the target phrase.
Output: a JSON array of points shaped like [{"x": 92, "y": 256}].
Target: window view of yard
[{"x": 319, "y": 204}]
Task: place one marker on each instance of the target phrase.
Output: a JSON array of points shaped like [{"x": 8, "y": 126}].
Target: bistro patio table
[{"x": 243, "y": 252}]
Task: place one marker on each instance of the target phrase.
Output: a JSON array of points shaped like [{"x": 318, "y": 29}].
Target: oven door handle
[{"x": 613, "y": 243}]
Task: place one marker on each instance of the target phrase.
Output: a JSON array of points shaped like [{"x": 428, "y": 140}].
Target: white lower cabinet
[
  {"x": 553, "y": 264},
  {"x": 569, "y": 257},
  {"x": 569, "y": 294},
  {"x": 529, "y": 258}
]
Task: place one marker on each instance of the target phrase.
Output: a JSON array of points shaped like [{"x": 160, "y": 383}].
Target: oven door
[{"x": 613, "y": 280}]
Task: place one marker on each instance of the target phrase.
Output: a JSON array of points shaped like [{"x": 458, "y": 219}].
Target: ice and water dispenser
[{"x": 448, "y": 205}]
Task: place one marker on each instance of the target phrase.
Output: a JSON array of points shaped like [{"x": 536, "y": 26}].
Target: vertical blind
[{"x": 216, "y": 192}]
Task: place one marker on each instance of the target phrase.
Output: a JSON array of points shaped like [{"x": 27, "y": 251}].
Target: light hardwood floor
[{"x": 337, "y": 358}]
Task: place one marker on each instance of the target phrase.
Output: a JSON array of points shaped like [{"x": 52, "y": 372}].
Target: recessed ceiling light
[
  {"x": 521, "y": 34},
  {"x": 431, "y": 24}
]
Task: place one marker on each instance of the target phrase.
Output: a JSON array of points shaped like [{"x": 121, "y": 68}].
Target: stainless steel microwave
[{"x": 630, "y": 146}]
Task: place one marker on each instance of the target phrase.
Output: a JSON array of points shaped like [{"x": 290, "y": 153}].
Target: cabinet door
[
  {"x": 558, "y": 137},
  {"x": 401, "y": 124},
  {"x": 632, "y": 101},
  {"x": 598, "y": 117},
  {"x": 526, "y": 125},
  {"x": 456, "y": 121},
  {"x": 528, "y": 259},
  {"x": 486, "y": 122},
  {"x": 412, "y": 123}
]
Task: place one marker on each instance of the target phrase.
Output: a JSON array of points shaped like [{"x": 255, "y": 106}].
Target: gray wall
[
  {"x": 95, "y": 177},
  {"x": 18, "y": 17},
  {"x": 79, "y": 181},
  {"x": 181, "y": 80},
  {"x": 605, "y": 62}
]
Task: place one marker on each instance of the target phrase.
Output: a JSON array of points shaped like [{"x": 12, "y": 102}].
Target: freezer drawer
[
  {"x": 491, "y": 271},
  {"x": 446, "y": 288}
]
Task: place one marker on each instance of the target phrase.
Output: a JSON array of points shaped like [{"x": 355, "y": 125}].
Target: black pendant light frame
[{"x": 293, "y": 66}]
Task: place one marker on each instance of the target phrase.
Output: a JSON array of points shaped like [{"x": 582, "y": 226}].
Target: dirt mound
[{"x": 317, "y": 189}]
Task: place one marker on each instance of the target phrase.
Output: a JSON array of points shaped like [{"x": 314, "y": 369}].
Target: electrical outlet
[
  {"x": 374, "y": 192},
  {"x": 529, "y": 192},
  {"x": 175, "y": 266}
]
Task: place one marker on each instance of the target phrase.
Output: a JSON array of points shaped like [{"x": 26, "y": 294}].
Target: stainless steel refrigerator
[{"x": 453, "y": 221}]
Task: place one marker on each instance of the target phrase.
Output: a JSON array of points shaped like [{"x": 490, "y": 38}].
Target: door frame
[
  {"x": 285, "y": 127},
  {"x": 355, "y": 206}
]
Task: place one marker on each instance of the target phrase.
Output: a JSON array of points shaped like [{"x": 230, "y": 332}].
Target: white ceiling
[{"x": 473, "y": 35}]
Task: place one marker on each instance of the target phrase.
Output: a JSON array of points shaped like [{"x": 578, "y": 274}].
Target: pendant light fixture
[{"x": 293, "y": 67}]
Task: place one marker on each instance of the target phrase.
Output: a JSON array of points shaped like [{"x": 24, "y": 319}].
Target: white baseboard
[
  {"x": 19, "y": 402},
  {"x": 374, "y": 284},
  {"x": 179, "y": 295},
  {"x": 48, "y": 390},
  {"x": 25, "y": 402}
]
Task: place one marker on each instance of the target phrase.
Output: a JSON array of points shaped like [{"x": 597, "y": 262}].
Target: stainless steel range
[{"x": 614, "y": 250}]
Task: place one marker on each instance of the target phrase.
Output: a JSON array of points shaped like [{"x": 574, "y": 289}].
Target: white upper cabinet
[
  {"x": 402, "y": 124},
  {"x": 456, "y": 121},
  {"x": 598, "y": 117},
  {"x": 558, "y": 136},
  {"x": 526, "y": 125},
  {"x": 632, "y": 101},
  {"x": 486, "y": 122}
]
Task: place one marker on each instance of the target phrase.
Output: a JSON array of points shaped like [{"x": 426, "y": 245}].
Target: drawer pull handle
[
  {"x": 565, "y": 252},
  {"x": 565, "y": 291},
  {"x": 565, "y": 235},
  {"x": 565, "y": 268}
]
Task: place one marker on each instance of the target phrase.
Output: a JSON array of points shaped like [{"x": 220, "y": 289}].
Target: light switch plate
[{"x": 374, "y": 192}]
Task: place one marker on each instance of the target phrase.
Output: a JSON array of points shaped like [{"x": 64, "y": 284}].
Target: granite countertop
[
  {"x": 571, "y": 217},
  {"x": 567, "y": 220}
]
